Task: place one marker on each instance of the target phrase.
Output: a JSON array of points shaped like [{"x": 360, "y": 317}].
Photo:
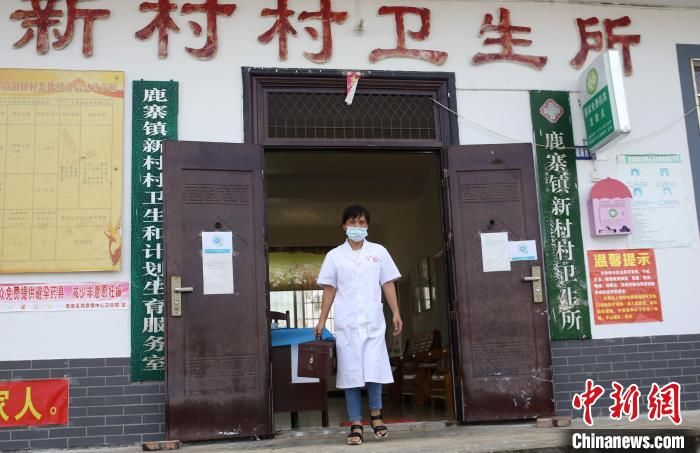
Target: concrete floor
[
  {"x": 394, "y": 411},
  {"x": 431, "y": 437}
]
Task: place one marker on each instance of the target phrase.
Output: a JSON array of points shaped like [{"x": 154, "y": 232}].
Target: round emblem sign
[
  {"x": 612, "y": 213},
  {"x": 592, "y": 81}
]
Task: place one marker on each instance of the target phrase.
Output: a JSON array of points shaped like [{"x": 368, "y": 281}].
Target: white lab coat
[{"x": 359, "y": 320}]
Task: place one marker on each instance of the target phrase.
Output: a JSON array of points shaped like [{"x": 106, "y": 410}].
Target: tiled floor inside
[{"x": 395, "y": 411}]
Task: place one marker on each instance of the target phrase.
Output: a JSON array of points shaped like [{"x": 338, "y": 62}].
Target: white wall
[{"x": 211, "y": 109}]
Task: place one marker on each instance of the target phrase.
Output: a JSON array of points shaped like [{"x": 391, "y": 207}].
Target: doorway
[
  {"x": 306, "y": 195},
  {"x": 498, "y": 345}
]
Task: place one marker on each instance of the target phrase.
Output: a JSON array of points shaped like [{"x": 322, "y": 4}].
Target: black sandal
[
  {"x": 355, "y": 438},
  {"x": 380, "y": 431}
]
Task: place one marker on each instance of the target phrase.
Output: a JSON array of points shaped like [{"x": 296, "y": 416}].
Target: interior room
[{"x": 306, "y": 195}]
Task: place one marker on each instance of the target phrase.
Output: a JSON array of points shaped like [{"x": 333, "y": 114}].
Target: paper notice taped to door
[
  {"x": 523, "y": 250},
  {"x": 217, "y": 262},
  {"x": 495, "y": 252}
]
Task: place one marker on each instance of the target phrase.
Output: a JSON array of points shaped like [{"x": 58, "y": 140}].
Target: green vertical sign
[
  {"x": 565, "y": 271},
  {"x": 154, "y": 120}
]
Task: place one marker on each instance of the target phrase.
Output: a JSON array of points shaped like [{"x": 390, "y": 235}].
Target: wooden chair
[
  {"x": 279, "y": 316},
  {"x": 413, "y": 376},
  {"x": 441, "y": 380}
]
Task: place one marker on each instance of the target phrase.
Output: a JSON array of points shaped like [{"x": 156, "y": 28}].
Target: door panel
[
  {"x": 503, "y": 333},
  {"x": 217, "y": 365}
]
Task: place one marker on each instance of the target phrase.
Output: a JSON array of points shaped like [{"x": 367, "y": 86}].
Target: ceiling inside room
[
  {"x": 307, "y": 191},
  {"x": 344, "y": 177}
]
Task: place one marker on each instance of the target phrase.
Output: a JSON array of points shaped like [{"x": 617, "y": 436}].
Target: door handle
[
  {"x": 536, "y": 280},
  {"x": 176, "y": 292}
]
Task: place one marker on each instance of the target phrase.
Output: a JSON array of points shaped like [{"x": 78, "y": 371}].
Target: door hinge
[
  {"x": 445, "y": 178},
  {"x": 448, "y": 244}
]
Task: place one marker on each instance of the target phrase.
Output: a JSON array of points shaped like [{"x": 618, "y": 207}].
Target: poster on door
[
  {"x": 217, "y": 262},
  {"x": 659, "y": 200},
  {"x": 624, "y": 286}
]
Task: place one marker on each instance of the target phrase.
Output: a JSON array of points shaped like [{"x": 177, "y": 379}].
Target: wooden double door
[{"x": 217, "y": 346}]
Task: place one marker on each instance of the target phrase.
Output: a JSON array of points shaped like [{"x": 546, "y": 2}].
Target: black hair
[{"x": 355, "y": 211}]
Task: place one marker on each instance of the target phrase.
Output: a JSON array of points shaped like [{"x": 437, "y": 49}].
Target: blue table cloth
[{"x": 284, "y": 337}]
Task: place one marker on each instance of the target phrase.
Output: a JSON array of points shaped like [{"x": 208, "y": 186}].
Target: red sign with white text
[
  {"x": 624, "y": 286},
  {"x": 31, "y": 403}
]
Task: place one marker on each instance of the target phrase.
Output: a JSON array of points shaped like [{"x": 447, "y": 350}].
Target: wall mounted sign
[
  {"x": 502, "y": 34},
  {"x": 660, "y": 200},
  {"x": 624, "y": 286},
  {"x": 610, "y": 208},
  {"x": 61, "y": 147},
  {"x": 603, "y": 100},
  {"x": 154, "y": 120},
  {"x": 32, "y": 403},
  {"x": 64, "y": 296},
  {"x": 565, "y": 270}
]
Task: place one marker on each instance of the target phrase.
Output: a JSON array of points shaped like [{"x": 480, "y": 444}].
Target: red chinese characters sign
[
  {"x": 31, "y": 403},
  {"x": 41, "y": 18},
  {"x": 624, "y": 286},
  {"x": 48, "y": 17},
  {"x": 593, "y": 40}
]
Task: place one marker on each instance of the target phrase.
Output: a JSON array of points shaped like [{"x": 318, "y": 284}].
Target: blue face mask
[{"x": 356, "y": 234}]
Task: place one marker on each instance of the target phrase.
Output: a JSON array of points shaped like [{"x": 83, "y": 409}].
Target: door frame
[{"x": 442, "y": 85}]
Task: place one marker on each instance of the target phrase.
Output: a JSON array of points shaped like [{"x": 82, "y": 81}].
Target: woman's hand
[
  {"x": 318, "y": 330},
  {"x": 398, "y": 324}
]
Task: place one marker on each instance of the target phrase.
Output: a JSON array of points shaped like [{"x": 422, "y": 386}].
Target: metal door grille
[{"x": 372, "y": 116}]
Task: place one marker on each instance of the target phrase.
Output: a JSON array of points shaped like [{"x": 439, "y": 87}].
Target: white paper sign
[
  {"x": 494, "y": 252},
  {"x": 217, "y": 262},
  {"x": 296, "y": 379},
  {"x": 523, "y": 250}
]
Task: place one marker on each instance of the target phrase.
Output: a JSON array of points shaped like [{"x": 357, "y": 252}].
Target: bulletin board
[{"x": 60, "y": 170}]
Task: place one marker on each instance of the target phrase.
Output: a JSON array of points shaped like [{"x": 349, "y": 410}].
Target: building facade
[{"x": 273, "y": 78}]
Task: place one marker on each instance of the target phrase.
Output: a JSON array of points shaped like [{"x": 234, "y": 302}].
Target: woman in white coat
[{"x": 353, "y": 276}]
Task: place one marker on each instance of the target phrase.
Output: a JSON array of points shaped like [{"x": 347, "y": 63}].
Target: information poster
[
  {"x": 64, "y": 296},
  {"x": 217, "y": 262},
  {"x": 60, "y": 170},
  {"x": 659, "y": 200},
  {"x": 523, "y": 250},
  {"x": 495, "y": 253},
  {"x": 624, "y": 285}
]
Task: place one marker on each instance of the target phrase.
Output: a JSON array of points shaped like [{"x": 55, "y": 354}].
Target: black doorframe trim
[
  {"x": 447, "y": 120},
  {"x": 686, "y": 53},
  {"x": 448, "y": 78}
]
